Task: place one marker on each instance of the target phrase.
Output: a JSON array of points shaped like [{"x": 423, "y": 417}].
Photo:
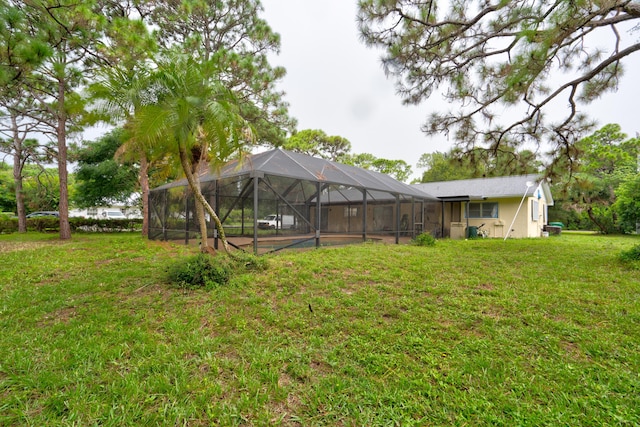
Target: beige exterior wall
[
  {"x": 496, "y": 227},
  {"x": 529, "y": 222},
  {"x": 521, "y": 227},
  {"x": 507, "y": 210},
  {"x": 537, "y": 208}
]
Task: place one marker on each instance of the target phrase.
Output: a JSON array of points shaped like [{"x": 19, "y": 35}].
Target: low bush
[
  {"x": 43, "y": 223},
  {"x": 8, "y": 225},
  {"x": 104, "y": 225},
  {"x": 52, "y": 223},
  {"x": 424, "y": 239},
  {"x": 206, "y": 271},
  {"x": 631, "y": 256},
  {"x": 199, "y": 271}
]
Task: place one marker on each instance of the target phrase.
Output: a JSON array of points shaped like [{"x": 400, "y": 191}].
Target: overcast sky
[{"x": 335, "y": 83}]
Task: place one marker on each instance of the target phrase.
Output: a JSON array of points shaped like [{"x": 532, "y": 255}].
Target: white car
[
  {"x": 277, "y": 221},
  {"x": 113, "y": 215}
]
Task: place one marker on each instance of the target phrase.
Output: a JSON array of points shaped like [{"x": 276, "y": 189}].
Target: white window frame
[
  {"x": 487, "y": 210},
  {"x": 350, "y": 212}
]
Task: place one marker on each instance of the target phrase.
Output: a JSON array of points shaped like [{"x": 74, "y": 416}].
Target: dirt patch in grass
[
  {"x": 155, "y": 291},
  {"x": 321, "y": 367},
  {"x": 63, "y": 315},
  {"x": 573, "y": 350},
  {"x": 284, "y": 380},
  {"x": 6, "y": 247},
  {"x": 284, "y": 411},
  {"x": 493, "y": 312}
]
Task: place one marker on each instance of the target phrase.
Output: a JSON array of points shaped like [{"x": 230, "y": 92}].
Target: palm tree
[
  {"x": 118, "y": 93},
  {"x": 121, "y": 87},
  {"x": 191, "y": 114}
]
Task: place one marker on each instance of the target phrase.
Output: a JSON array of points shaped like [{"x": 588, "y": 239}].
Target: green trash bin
[{"x": 472, "y": 231}]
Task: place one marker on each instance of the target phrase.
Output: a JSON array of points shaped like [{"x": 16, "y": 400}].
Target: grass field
[{"x": 466, "y": 333}]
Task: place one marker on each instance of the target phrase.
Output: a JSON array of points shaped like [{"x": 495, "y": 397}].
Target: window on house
[
  {"x": 483, "y": 210},
  {"x": 534, "y": 210},
  {"x": 350, "y": 212},
  {"x": 92, "y": 211}
]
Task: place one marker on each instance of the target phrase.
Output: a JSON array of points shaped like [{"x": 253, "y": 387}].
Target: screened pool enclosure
[{"x": 280, "y": 199}]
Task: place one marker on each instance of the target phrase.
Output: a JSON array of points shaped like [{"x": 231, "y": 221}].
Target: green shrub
[
  {"x": 199, "y": 271},
  {"x": 52, "y": 224},
  {"x": 206, "y": 271},
  {"x": 104, "y": 225},
  {"x": 9, "y": 225},
  {"x": 631, "y": 256},
  {"x": 424, "y": 239},
  {"x": 43, "y": 223}
]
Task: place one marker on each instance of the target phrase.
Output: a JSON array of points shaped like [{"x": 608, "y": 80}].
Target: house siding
[{"x": 523, "y": 226}]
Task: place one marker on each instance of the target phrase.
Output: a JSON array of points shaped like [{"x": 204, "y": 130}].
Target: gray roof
[
  {"x": 350, "y": 195},
  {"x": 289, "y": 164},
  {"x": 479, "y": 188}
]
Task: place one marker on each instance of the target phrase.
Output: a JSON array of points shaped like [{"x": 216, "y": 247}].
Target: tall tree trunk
[
  {"x": 593, "y": 218},
  {"x": 202, "y": 221},
  {"x": 195, "y": 188},
  {"x": 17, "y": 180},
  {"x": 63, "y": 206},
  {"x": 18, "y": 165},
  {"x": 143, "y": 178}
]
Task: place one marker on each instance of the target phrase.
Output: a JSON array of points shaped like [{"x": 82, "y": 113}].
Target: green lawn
[{"x": 480, "y": 332}]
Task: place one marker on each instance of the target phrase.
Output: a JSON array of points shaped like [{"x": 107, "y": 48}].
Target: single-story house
[
  {"x": 513, "y": 206},
  {"x": 278, "y": 198}
]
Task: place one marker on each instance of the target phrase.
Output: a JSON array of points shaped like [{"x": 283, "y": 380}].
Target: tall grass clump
[
  {"x": 424, "y": 239},
  {"x": 206, "y": 271},
  {"x": 631, "y": 256}
]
